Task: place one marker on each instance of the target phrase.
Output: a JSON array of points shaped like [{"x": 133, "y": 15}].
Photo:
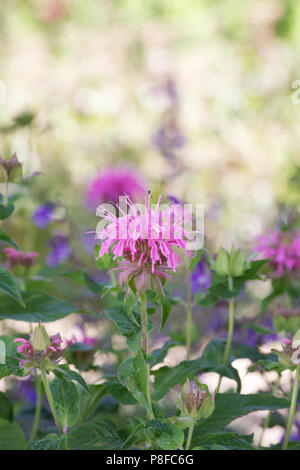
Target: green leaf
[
  {"x": 66, "y": 400},
  {"x": 6, "y": 408},
  {"x": 106, "y": 262},
  {"x": 11, "y": 365},
  {"x": 119, "y": 316},
  {"x": 39, "y": 307},
  {"x": 6, "y": 239},
  {"x": 195, "y": 260},
  {"x": 158, "y": 355},
  {"x": 9, "y": 285},
  {"x": 132, "y": 374},
  {"x": 11, "y": 436},
  {"x": 96, "y": 434},
  {"x": 6, "y": 211},
  {"x": 226, "y": 441},
  {"x": 65, "y": 371},
  {"x": 166, "y": 435},
  {"x": 49, "y": 442},
  {"x": 119, "y": 392},
  {"x": 230, "y": 406},
  {"x": 219, "y": 288},
  {"x": 167, "y": 378},
  {"x": 267, "y": 365}
]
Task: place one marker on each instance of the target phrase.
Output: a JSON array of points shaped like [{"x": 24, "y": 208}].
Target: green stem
[
  {"x": 268, "y": 417},
  {"x": 37, "y": 415},
  {"x": 292, "y": 409},
  {"x": 145, "y": 348},
  {"x": 189, "y": 438},
  {"x": 188, "y": 317},
  {"x": 50, "y": 400},
  {"x": 229, "y": 337},
  {"x": 5, "y": 193}
]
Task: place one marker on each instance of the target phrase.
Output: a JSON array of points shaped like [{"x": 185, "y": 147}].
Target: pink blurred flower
[
  {"x": 112, "y": 183},
  {"x": 17, "y": 258},
  {"x": 145, "y": 239},
  {"x": 283, "y": 248},
  {"x": 51, "y": 11}
]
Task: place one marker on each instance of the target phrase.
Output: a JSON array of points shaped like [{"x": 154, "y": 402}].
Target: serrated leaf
[
  {"x": 166, "y": 435},
  {"x": 119, "y": 316},
  {"x": 230, "y": 406},
  {"x": 96, "y": 434},
  {"x": 49, "y": 442},
  {"x": 66, "y": 400},
  {"x": 167, "y": 378},
  {"x": 226, "y": 441},
  {"x": 131, "y": 374}
]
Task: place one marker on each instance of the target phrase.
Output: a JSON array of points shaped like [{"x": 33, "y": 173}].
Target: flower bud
[
  {"x": 289, "y": 356},
  {"x": 222, "y": 263},
  {"x": 40, "y": 339},
  {"x": 236, "y": 263},
  {"x": 10, "y": 170},
  {"x": 196, "y": 402}
]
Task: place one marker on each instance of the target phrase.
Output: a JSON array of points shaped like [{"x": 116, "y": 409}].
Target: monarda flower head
[
  {"x": 18, "y": 258},
  {"x": 283, "y": 249},
  {"x": 112, "y": 183},
  {"x": 145, "y": 239},
  {"x": 40, "y": 349}
]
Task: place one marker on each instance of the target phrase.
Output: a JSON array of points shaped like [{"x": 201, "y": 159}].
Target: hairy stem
[
  {"x": 145, "y": 348},
  {"x": 229, "y": 338},
  {"x": 292, "y": 409},
  {"x": 5, "y": 193},
  {"x": 50, "y": 400},
  {"x": 38, "y": 385},
  {"x": 188, "y": 317},
  {"x": 189, "y": 438}
]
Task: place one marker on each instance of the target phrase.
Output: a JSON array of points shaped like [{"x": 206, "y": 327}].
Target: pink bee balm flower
[
  {"x": 144, "y": 239},
  {"x": 34, "y": 357},
  {"x": 283, "y": 248},
  {"x": 17, "y": 258},
  {"x": 112, "y": 183}
]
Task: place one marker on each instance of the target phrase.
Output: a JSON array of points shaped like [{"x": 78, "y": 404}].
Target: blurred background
[
  {"x": 195, "y": 96},
  {"x": 195, "y": 100}
]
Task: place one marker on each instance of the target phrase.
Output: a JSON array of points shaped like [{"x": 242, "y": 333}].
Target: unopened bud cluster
[
  {"x": 40, "y": 349},
  {"x": 289, "y": 356},
  {"x": 10, "y": 170},
  {"x": 230, "y": 263},
  {"x": 195, "y": 401}
]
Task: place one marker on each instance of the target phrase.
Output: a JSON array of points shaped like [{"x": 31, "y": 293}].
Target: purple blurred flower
[
  {"x": 168, "y": 139},
  {"x": 112, "y": 183},
  {"x": 60, "y": 250},
  {"x": 43, "y": 215},
  {"x": 200, "y": 278}
]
